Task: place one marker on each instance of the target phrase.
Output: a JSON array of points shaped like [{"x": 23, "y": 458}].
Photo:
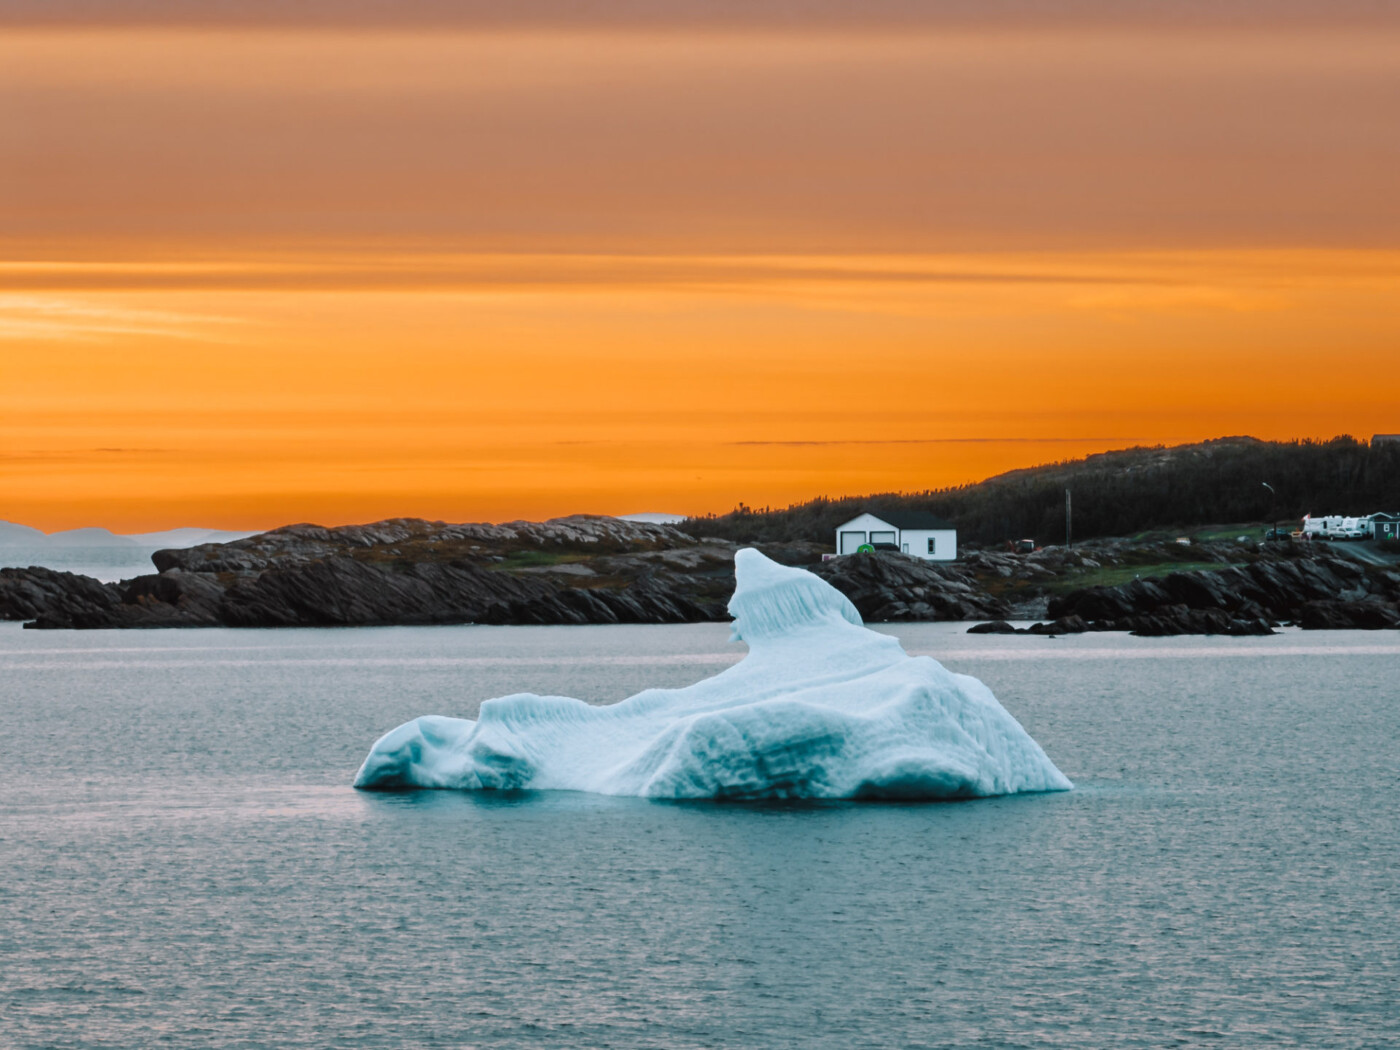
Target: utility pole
[{"x": 1069, "y": 522}]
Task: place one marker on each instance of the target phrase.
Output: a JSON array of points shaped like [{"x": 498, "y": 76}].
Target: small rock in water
[{"x": 994, "y": 627}]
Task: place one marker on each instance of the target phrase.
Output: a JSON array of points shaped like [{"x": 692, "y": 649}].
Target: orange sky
[{"x": 256, "y": 275}]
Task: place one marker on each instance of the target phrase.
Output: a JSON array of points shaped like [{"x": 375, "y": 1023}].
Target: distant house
[
  {"x": 1385, "y": 526},
  {"x": 916, "y": 533},
  {"x": 1385, "y": 439}
]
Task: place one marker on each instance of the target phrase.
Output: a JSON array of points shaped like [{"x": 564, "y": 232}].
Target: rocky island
[
  {"x": 572, "y": 570},
  {"x": 600, "y": 570}
]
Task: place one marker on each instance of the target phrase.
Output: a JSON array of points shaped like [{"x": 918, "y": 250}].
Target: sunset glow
[{"x": 262, "y": 275}]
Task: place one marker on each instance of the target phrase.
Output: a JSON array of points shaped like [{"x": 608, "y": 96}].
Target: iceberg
[{"x": 821, "y": 707}]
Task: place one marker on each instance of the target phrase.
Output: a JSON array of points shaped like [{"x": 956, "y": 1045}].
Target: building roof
[{"x": 909, "y": 519}]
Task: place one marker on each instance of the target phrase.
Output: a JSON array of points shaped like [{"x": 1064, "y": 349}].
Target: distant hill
[
  {"x": 89, "y": 537},
  {"x": 186, "y": 537},
  {"x": 1120, "y": 493},
  {"x": 13, "y": 535},
  {"x": 97, "y": 552}
]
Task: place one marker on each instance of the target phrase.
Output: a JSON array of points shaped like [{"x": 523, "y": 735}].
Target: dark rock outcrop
[
  {"x": 1180, "y": 619},
  {"x": 1060, "y": 625},
  {"x": 341, "y": 592},
  {"x": 36, "y": 593},
  {"x": 1171, "y": 620},
  {"x": 416, "y": 539},
  {"x": 994, "y": 627},
  {"x": 890, "y": 586},
  {"x": 1321, "y": 590},
  {"x": 1365, "y": 616},
  {"x": 569, "y": 571},
  {"x": 587, "y": 570}
]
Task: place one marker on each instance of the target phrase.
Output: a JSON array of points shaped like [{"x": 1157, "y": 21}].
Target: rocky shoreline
[
  {"x": 1317, "y": 589},
  {"x": 596, "y": 570}
]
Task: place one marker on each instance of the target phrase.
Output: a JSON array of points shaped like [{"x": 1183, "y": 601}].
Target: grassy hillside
[{"x": 1119, "y": 493}]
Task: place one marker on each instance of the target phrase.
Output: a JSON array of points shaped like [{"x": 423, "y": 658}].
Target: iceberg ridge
[{"x": 821, "y": 707}]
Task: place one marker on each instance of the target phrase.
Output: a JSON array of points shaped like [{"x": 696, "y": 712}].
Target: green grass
[
  {"x": 1209, "y": 533},
  {"x": 1115, "y": 575},
  {"x": 530, "y": 559},
  {"x": 1230, "y": 532}
]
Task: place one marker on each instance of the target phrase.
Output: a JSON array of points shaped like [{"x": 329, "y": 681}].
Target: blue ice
[{"x": 821, "y": 707}]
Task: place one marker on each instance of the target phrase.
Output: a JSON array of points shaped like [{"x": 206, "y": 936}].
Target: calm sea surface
[
  {"x": 109, "y": 564},
  {"x": 184, "y": 863}
]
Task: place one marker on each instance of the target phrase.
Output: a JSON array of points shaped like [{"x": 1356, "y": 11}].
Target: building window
[{"x": 932, "y": 545}]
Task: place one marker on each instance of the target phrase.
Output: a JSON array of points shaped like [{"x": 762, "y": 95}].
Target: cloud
[
  {"x": 37, "y": 317},
  {"x": 514, "y": 272}
]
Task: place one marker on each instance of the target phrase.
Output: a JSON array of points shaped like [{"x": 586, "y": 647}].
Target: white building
[
  {"x": 1321, "y": 527},
  {"x": 917, "y": 533},
  {"x": 1338, "y": 527},
  {"x": 1385, "y": 526}
]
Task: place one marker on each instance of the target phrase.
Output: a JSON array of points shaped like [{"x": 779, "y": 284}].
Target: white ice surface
[{"x": 821, "y": 707}]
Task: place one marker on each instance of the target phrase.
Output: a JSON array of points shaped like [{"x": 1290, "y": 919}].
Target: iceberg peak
[
  {"x": 771, "y": 599},
  {"x": 821, "y": 707}
]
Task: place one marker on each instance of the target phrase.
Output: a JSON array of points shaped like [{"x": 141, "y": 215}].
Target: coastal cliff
[
  {"x": 598, "y": 570},
  {"x": 573, "y": 570}
]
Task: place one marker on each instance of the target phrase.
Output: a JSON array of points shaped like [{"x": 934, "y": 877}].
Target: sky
[{"x": 272, "y": 262}]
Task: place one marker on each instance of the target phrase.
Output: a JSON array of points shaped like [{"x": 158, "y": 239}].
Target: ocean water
[
  {"x": 183, "y": 862},
  {"x": 109, "y": 564}
]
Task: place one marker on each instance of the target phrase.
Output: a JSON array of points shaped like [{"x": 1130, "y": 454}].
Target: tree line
[{"x": 1120, "y": 493}]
